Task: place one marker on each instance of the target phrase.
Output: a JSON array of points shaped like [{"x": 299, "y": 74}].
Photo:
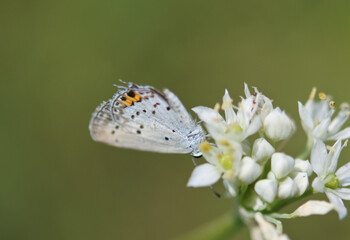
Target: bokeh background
[{"x": 59, "y": 60}]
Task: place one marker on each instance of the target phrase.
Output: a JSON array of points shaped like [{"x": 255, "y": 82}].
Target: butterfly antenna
[{"x": 215, "y": 192}]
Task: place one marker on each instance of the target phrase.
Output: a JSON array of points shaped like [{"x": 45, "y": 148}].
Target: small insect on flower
[{"x": 142, "y": 118}]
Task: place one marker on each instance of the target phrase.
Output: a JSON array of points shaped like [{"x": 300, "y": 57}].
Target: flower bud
[
  {"x": 249, "y": 170},
  {"x": 302, "y": 182},
  {"x": 266, "y": 189},
  {"x": 262, "y": 150},
  {"x": 303, "y": 166},
  {"x": 287, "y": 188},
  {"x": 278, "y": 126},
  {"x": 281, "y": 165}
]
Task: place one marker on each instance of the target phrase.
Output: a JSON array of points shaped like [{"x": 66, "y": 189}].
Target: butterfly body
[{"x": 140, "y": 117}]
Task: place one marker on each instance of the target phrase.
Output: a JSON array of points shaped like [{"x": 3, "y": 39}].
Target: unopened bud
[
  {"x": 262, "y": 150},
  {"x": 278, "y": 126},
  {"x": 281, "y": 165},
  {"x": 249, "y": 170}
]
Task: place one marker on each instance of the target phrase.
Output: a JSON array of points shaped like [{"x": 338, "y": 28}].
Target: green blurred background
[{"x": 59, "y": 60}]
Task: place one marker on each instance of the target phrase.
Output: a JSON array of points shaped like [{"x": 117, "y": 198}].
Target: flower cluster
[{"x": 246, "y": 154}]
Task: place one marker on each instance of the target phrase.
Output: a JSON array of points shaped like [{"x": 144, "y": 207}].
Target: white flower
[
  {"x": 312, "y": 207},
  {"x": 266, "y": 189},
  {"x": 287, "y": 188},
  {"x": 262, "y": 150},
  {"x": 329, "y": 180},
  {"x": 281, "y": 165},
  {"x": 303, "y": 166},
  {"x": 316, "y": 118},
  {"x": 238, "y": 125},
  {"x": 249, "y": 170},
  {"x": 278, "y": 126},
  {"x": 302, "y": 182},
  {"x": 266, "y": 230},
  {"x": 224, "y": 161}
]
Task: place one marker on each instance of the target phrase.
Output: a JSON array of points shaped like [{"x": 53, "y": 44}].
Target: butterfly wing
[{"x": 139, "y": 117}]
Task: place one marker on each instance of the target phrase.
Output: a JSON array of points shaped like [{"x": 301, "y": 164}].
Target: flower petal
[
  {"x": 318, "y": 157},
  {"x": 343, "y": 134},
  {"x": 320, "y": 131},
  {"x": 313, "y": 207},
  {"x": 302, "y": 182},
  {"x": 338, "y": 205},
  {"x": 343, "y": 193},
  {"x": 230, "y": 115},
  {"x": 343, "y": 175},
  {"x": 318, "y": 185},
  {"x": 305, "y": 117},
  {"x": 204, "y": 175},
  {"x": 266, "y": 189},
  {"x": 333, "y": 155}
]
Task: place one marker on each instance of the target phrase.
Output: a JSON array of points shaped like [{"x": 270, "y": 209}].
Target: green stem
[
  {"x": 279, "y": 205},
  {"x": 221, "y": 228},
  {"x": 306, "y": 152}
]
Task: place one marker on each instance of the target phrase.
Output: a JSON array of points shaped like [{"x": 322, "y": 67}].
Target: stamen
[
  {"x": 217, "y": 107},
  {"x": 331, "y": 149},
  {"x": 224, "y": 142},
  {"x": 205, "y": 147},
  {"x": 322, "y": 96},
  {"x": 313, "y": 93},
  {"x": 226, "y": 103},
  {"x": 332, "y": 104}
]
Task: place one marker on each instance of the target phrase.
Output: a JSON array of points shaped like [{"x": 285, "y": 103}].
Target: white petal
[
  {"x": 313, "y": 207},
  {"x": 268, "y": 230},
  {"x": 306, "y": 119},
  {"x": 343, "y": 175},
  {"x": 266, "y": 189},
  {"x": 343, "y": 193},
  {"x": 230, "y": 186},
  {"x": 278, "y": 126},
  {"x": 249, "y": 170},
  {"x": 338, "y": 121},
  {"x": 287, "y": 188},
  {"x": 338, "y": 205},
  {"x": 343, "y": 134},
  {"x": 281, "y": 164},
  {"x": 262, "y": 150},
  {"x": 208, "y": 115},
  {"x": 246, "y": 90},
  {"x": 320, "y": 131},
  {"x": 302, "y": 182},
  {"x": 318, "y": 185},
  {"x": 318, "y": 158},
  {"x": 254, "y": 126},
  {"x": 303, "y": 166},
  {"x": 333, "y": 155},
  {"x": 204, "y": 175},
  {"x": 230, "y": 115}
]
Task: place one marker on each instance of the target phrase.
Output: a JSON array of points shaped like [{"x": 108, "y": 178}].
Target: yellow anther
[
  {"x": 331, "y": 149},
  {"x": 217, "y": 107},
  {"x": 226, "y": 103},
  {"x": 224, "y": 142},
  {"x": 332, "y": 104},
  {"x": 322, "y": 96},
  {"x": 313, "y": 93},
  {"x": 205, "y": 147}
]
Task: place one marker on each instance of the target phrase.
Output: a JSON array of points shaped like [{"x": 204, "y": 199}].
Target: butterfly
[{"x": 140, "y": 117}]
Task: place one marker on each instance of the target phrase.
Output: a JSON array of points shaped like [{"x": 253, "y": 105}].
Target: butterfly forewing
[{"x": 142, "y": 118}]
